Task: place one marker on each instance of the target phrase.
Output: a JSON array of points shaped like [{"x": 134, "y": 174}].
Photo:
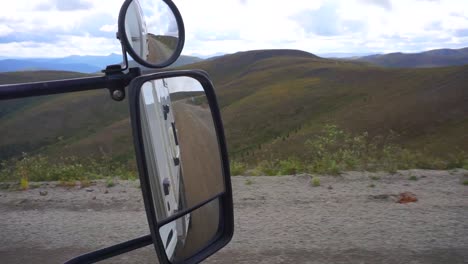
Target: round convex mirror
[{"x": 151, "y": 31}]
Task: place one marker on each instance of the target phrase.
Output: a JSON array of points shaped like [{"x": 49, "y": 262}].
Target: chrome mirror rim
[
  {"x": 126, "y": 43},
  {"x": 226, "y": 225}
]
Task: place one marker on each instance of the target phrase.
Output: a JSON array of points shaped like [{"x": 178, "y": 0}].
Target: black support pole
[
  {"x": 112, "y": 251},
  {"x": 115, "y": 81}
]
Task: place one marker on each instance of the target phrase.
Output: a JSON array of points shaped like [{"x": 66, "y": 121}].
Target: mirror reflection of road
[
  {"x": 201, "y": 169},
  {"x": 158, "y": 52}
]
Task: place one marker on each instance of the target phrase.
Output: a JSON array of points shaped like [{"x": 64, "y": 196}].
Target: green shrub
[
  {"x": 315, "y": 181},
  {"x": 458, "y": 160},
  {"x": 253, "y": 172},
  {"x": 24, "y": 184},
  {"x": 85, "y": 183},
  {"x": 334, "y": 150},
  {"x": 290, "y": 166},
  {"x": 325, "y": 166},
  {"x": 67, "y": 184},
  {"x": 237, "y": 168},
  {"x": 267, "y": 168},
  {"x": 413, "y": 178},
  {"x": 68, "y": 169},
  {"x": 110, "y": 182}
]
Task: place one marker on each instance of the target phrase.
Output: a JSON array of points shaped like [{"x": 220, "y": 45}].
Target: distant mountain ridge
[
  {"x": 427, "y": 59},
  {"x": 82, "y": 64},
  {"x": 344, "y": 55},
  {"x": 209, "y": 56},
  {"x": 12, "y": 65}
]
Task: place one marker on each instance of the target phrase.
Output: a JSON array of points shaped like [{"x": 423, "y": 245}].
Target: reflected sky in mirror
[
  {"x": 172, "y": 85},
  {"x": 152, "y": 30},
  {"x": 159, "y": 18},
  {"x": 183, "y": 84}
]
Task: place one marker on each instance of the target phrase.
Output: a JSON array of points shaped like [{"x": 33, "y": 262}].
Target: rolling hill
[
  {"x": 54, "y": 124},
  {"x": 272, "y": 101},
  {"x": 427, "y": 59},
  {"x": 181, "y": 61}
]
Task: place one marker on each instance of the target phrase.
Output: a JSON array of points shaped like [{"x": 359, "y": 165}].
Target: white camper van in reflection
[
  {"x": 164, "y": 164},
  {"x": 136, "y": 29}
]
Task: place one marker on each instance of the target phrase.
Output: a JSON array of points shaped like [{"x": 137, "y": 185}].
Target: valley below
[{"x": 354, "y": 217}]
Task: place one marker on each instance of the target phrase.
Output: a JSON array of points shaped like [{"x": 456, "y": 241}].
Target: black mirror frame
[
  {"x": 226, "y": 226},
  {"x": 128, "y": 48}
]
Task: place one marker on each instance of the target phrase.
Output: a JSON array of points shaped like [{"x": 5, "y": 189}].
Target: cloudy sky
[{"x": 56, "y": 28}]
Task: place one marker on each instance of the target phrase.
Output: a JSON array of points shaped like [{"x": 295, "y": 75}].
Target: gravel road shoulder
[{"x": 352, "y": 218}]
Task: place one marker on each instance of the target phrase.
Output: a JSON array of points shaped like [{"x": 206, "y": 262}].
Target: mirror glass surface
[
  {"x": 186, "y": 235},
  {"x": 180, "y": 145},
  {"x": 152, "y": 31}
]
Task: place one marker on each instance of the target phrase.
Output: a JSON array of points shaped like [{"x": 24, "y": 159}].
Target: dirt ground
[{"x": 352, "y": 218}]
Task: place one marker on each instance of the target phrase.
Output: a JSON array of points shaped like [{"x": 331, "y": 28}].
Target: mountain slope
[
  {"x": 55, "y": 121},
  {"x": 181, "y": 61},
  {"x": 271, "y": 106},
  {"x": 427, "y": 59},
  {"x": 272, "y": 101},
  {"x": 184, "y": 60}
]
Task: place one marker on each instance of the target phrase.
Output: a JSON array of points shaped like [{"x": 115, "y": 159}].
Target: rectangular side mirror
[{"x": 183, "y": 164}]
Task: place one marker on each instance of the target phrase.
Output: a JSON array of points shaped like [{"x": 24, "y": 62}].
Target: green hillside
[
  {"x": 61, "y": 124},
  {"x": 427, "y": 59},
  {"x": 272, "y": 103}
]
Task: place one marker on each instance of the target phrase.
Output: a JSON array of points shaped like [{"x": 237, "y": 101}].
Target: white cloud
[
  {"x": 327, "y": 26},
  {"x": 386, "y": 4},
  {"x": 317, "y": 26},
  {"x": 109, "y": 28},
  {"x": 61, "y": 48},
  {"x": 5, "y": 30},
  {"x": 56, "y": 31}
]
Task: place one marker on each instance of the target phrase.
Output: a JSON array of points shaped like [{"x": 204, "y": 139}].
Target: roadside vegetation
[
  {"x": 334, "y": 150},
  {"x": 315, "y": 182},
  {"x": 331, "y": 151},
  {"x": 275, "y": 106},
  {"x": 67, "y": 171}
]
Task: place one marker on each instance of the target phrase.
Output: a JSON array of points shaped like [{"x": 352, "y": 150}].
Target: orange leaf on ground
[{"x": 407, "y": 197}]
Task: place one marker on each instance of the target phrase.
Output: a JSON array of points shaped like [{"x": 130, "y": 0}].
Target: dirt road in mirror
[
  {"x": 352, "y": 218},
  {"x": 200, "y": 159},
  {"x": 202, "y": 172}
]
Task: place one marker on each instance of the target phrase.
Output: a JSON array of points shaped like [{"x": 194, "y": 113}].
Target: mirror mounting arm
[
  {"x": 117, "y": 88},
  {"x": 115, "y": 68},
  {"x": 115, "y": 82},
  {"x": 112, "y": 251}
]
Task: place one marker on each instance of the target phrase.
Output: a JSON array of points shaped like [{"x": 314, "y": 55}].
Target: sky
[{"x": 58, "y": 28}]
